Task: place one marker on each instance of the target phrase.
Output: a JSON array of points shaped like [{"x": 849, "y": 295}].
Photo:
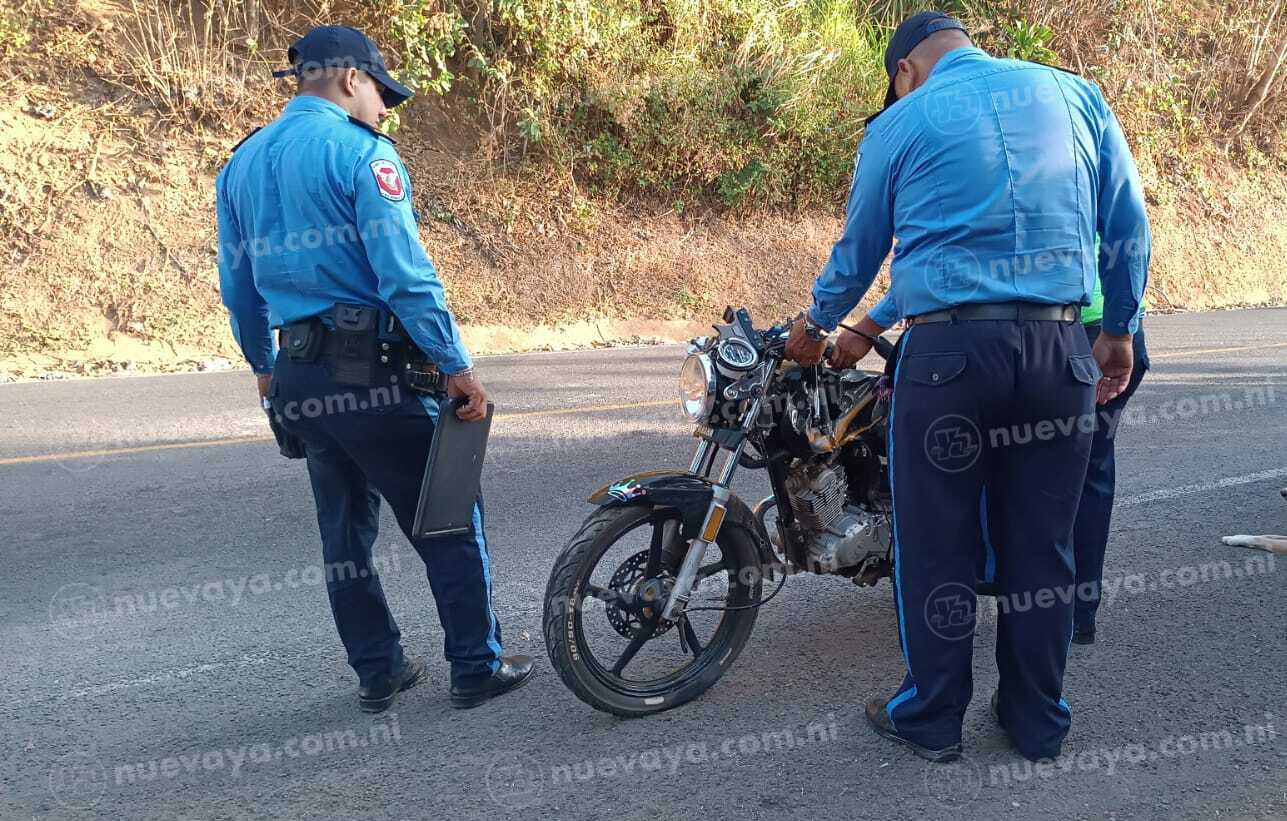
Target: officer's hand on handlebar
[
  {"x": 465, "y": 385},
  {"x": 803, "y": 348},
  {"x": 849, "y": 348},
  {"x": 1116, "y": 357},
  {"x": 263, "y": 380},
  {"x": 856, "y": 341}
]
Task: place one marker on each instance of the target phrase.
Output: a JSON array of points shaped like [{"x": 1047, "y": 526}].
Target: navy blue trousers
[
  {"x": 363, "y": 444},
  {"x": 1009, "y": 406},
  {"x": 1090, "y": 536}
]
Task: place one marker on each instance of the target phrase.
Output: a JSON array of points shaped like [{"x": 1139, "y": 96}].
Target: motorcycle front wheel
[{"x": 603, "y": 626}]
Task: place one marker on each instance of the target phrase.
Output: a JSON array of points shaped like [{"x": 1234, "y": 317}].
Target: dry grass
[
  {"x": 1197, "y": 72},
  {"x": 195, "y": 63},
  {"x": 186, "y": 80}
]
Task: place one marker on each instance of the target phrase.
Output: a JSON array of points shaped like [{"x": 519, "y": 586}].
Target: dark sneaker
[
  {"x": 879, "y": 720},
  {"x": 379, "y": 695},
  {"x": 514, "y": 671},
  {"x": 1083, "y": 636}
]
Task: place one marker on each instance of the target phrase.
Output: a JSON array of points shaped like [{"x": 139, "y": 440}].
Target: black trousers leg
[
  {"x": 1039, "y": 467},
  {"x": 946, "y": 385},
  {"x": 1094, "y": 516},
  {"x": 348, "y": 516}
]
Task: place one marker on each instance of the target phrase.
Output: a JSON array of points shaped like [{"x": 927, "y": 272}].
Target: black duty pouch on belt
[
  {"x": 302, "y": 341},
  {"x": 356, "y": 342}
]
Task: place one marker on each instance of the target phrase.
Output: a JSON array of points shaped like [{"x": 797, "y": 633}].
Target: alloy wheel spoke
[
  {"x": 632, "y": 649},
  {"x": 708, "y": 570}
]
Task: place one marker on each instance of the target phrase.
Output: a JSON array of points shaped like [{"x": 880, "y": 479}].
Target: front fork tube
[
  {"x": 683, "y": 589},
  {"x": 682, "y": 592}
]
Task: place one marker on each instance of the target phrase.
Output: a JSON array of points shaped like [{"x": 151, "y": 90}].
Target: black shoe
[
  {"x": 379, "y": 695},
  {"x": 1083, "y": 636},
  {"x": 514, "y": 671},
  {"x": 879, "y": 720}
]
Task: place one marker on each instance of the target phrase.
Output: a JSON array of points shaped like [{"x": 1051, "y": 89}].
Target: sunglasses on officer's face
[{"x": 388, "y": 96}]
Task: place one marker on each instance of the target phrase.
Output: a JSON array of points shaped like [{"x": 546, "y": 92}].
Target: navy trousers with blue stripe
[
  {"x": 1006, "y": 405},
  {"x": 363, "y": 444},
  {"x": 1096, "y": 512}
]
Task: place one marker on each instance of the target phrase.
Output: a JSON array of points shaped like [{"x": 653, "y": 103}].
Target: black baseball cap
[
  {"x": 344, "y": 47},
  {"x": 910, "y": 34}
]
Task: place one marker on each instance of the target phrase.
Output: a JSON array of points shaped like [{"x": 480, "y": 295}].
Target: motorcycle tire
[{"x": 564, "y": 637}]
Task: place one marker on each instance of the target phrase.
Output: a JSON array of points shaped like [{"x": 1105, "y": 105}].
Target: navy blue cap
[
  {"x": 910, "y": 34},
  {"x": 343, "y": 47}
]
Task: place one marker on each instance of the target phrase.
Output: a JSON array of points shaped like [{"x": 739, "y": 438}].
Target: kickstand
[{"x": 688, "y": 641}]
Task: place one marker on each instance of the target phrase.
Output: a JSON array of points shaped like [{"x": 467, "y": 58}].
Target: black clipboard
[{"x": 453, "y": 474}]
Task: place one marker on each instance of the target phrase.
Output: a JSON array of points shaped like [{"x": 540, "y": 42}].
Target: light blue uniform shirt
[
  {"x": 995, "y": 176},
  {"x": 315, "y": 209}
]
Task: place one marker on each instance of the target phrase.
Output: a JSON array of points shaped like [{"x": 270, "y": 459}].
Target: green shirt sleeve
[{"x": 1094, "y": 312}]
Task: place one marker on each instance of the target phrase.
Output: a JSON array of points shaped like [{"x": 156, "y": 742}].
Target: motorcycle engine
[{"x": 841, "y": 535}]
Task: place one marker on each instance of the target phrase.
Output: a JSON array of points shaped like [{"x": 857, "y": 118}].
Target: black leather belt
[
  {"x": 362, "y": 347},
  {"x": 974, "y": 312}
]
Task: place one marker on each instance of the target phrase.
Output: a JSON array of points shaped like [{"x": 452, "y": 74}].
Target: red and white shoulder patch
[{"x": 388, "y": 180}]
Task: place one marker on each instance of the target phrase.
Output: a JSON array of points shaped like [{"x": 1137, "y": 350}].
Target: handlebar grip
[{"x": 883, "y": 347}]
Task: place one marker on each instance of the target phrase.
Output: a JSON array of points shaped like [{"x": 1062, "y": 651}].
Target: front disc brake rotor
[{"x": 637, "y": 599}]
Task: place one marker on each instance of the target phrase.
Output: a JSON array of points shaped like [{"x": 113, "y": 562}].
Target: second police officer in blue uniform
[
  {"x": 995, "y": 176},
  {"x": 317, "y": 238}
]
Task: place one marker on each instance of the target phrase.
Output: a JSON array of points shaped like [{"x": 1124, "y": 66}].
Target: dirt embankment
[{"x": 109, "y": 248}]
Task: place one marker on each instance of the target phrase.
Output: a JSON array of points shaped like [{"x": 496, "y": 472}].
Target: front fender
[{"x": 688, "y": 493}]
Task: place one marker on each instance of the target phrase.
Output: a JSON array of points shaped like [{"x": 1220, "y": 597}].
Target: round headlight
[{"x": 697, "y": 387}]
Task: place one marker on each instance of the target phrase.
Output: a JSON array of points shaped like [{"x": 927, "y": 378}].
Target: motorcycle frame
[{"x": 706, "y": 502}]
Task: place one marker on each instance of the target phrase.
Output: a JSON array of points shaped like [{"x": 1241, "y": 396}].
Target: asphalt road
[{"x": 169, "y": 653}]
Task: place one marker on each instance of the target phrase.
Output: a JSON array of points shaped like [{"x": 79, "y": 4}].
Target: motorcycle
[{"x": 673, "y": 551}]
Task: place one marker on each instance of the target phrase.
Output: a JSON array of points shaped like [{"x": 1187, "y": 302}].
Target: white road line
[
  {"x": 182, "y": 673},
  {"x": 161, "y": 677},
  {"x": 1189, "y": 490}
]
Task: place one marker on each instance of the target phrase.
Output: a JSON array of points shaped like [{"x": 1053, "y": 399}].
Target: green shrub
[
  {"x": 740, "y": 100},
  {"x": 735, "y": 99},
  {"x": 1030, "y": 42},
  {"x": 426, "y": 39}
]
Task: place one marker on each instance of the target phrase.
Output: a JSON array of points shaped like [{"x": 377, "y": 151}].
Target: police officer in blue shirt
[
  {"x": 317, "y": 238},
  {"x": 995, "y": 176}
]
